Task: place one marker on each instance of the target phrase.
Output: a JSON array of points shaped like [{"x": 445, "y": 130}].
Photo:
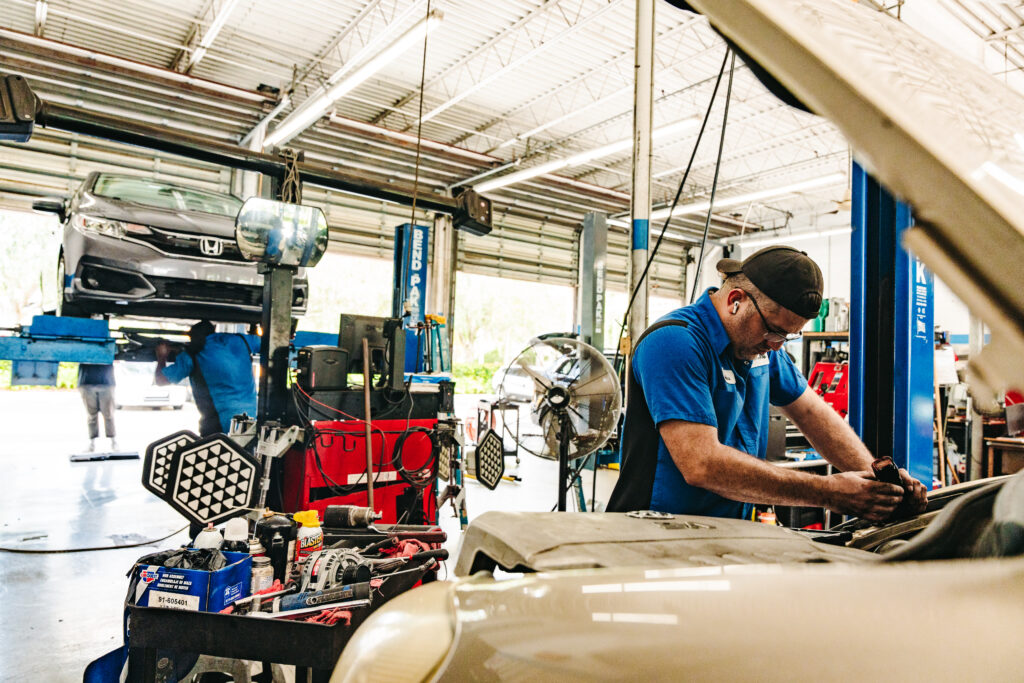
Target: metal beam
[
  {"x": 350, "y": 75},
  {"x": 91, "y": 58},
  {"x": 491, "y": 42},
  {"x": 573, "y": 110},
  {"x": 335, "y": 42},
  {"x": 75, "y": 120},
  {"x": 191, "y": 55}
]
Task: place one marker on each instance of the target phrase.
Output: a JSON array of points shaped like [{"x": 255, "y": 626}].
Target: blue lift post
[
  {"x": 891, "y": 337},
  {"x": 412, "y": 254},
  {"x": 38, "y": 350}
]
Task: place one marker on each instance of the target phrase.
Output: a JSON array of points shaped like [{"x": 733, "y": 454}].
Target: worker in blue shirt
[
  {"x": 219, "y": 368},
  {"x": 696, "y": 428}
]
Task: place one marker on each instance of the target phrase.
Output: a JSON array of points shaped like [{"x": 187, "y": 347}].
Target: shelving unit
[{"x": 809, "y": 338}]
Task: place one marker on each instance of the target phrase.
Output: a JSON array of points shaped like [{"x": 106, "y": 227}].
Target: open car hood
[{"x": 938, "y": 131}]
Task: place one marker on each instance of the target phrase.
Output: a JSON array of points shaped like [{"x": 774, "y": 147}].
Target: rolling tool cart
[{"x": 363, "y": 564}]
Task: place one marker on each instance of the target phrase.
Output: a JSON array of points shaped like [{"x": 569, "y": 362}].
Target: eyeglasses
[{"x": 773, "y": 335}]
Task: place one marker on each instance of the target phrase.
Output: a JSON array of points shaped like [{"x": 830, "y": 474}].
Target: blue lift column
[
  {"x": 891, "y": 333},
  {"x": 412, "y": 255}
]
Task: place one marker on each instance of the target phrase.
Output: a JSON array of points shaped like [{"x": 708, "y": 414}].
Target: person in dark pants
[
  {"x": 701, "y": 379},
  {"x": 219, "y": 368},
  {"x": 96, "y": 385}
]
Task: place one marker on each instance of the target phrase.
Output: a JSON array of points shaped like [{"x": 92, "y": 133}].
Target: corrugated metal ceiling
[{"x": 518, "y": 82}]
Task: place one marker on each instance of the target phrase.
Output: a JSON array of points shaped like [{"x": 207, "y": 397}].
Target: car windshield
[{"x": 162, "y": 196}]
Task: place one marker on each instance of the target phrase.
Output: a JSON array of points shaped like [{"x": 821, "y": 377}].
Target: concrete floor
[{"x": 62, "y": 610}]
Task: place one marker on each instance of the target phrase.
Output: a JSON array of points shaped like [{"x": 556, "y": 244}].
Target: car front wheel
[{"x": 64, "y": 307}]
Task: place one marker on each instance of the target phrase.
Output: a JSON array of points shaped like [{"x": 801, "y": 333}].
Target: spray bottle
[{"x": 311, "y": 536}]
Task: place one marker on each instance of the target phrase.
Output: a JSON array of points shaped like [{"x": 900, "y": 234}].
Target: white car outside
[{"x": 135, "y": 388}]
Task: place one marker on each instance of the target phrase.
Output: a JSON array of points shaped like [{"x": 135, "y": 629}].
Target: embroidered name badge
[{"x": 728, "y": 376}]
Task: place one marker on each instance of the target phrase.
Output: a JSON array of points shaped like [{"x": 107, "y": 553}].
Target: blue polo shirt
[
  {"x": 690, "y": 373},
  {"x": 225, "y": 367}
]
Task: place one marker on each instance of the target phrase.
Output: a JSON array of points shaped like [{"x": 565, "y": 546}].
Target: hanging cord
[
  {"x": 675, "y": 200},
  {"x": 419, "y": 123},
  {"x": 291, "y": 186},
  {"x": 714, "y": 182}
]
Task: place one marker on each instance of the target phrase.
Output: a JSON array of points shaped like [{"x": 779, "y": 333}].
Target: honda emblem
[{"x": 211, "y": 246}]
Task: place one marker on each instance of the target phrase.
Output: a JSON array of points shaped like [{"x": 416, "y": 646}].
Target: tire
[{"x": 64, "y": 307}]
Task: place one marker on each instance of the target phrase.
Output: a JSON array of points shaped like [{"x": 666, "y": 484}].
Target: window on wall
[
  {"x": 495, "y": 317},
  {"x": 346, "y": 284}
]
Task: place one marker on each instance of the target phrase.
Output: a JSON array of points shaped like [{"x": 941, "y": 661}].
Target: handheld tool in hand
[{"x": 885, "y": 470}]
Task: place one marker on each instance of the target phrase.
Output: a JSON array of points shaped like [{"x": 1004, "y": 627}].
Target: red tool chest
[
  {"x": 332, "y": 469},
  {"x": 831, "y": 381}
]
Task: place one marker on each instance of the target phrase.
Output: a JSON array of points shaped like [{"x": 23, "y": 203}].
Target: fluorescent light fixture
[
  {"x": 316, "y": 106},
  {"x": 759, "y": 241},
  {"x": 700, "y": 207},
  {"x": 580, "y": 158},
  {"x": 265, "y": 121},
  {"x": 211, "y": 33}
]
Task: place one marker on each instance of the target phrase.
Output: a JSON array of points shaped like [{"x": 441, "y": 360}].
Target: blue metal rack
[{"x": 39, "y": 349}]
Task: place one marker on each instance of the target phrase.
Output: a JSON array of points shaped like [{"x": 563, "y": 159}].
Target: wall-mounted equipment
[{"x": 18, "y": 107}]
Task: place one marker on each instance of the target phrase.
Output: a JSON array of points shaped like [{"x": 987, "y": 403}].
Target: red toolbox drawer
[{"x": 332, "y": 470}]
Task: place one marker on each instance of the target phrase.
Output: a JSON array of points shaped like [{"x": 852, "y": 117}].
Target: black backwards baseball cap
[{"x": 785, "y": 275}]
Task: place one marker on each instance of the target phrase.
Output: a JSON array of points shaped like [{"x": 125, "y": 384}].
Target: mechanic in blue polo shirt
[
  {"x": 696, "y": 427},
  {"x": 219, "y": 368}
]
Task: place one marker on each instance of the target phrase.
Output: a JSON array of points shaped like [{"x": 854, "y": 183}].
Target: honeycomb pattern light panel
[
  {"x": 490, "y": 459},
  {"x": 157, "y": 466},
  {"x": 213, "y": 480},
  {"x": 444, "y": 462}
]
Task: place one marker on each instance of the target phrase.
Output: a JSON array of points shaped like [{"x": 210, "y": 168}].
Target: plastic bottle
[
  {"x": 236, "y": 533},
  {"x": 311, "y": 536},
  {"x": 767, "y": 517},
  {"x": 209, "y": 538}
]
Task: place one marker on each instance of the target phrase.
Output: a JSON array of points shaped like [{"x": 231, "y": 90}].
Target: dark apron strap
[{"x": 639, "y": 445}]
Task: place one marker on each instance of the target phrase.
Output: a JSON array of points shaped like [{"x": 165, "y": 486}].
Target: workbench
[
  {"x": 1003, "y": 455},
  {"x": 820, "y": 465}
]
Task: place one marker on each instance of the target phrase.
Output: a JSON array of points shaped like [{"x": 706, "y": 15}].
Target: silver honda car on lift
[{"x": 138, "y": 246}]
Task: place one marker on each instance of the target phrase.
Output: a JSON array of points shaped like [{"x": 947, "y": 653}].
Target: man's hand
[
  {"x": 162, "y": 351},
  {"x": 916, "y": 495},
  {"x": 860, "y": 494}
]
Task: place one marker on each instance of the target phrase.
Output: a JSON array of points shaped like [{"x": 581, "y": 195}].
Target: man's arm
[
  {"x": 170, "y": 374},
  {"x": 161, "y": 351},
  {"x": 828, "y": 433},
  {"x": 707, "y": 463},
  {"x": 836, "y": 441}
]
